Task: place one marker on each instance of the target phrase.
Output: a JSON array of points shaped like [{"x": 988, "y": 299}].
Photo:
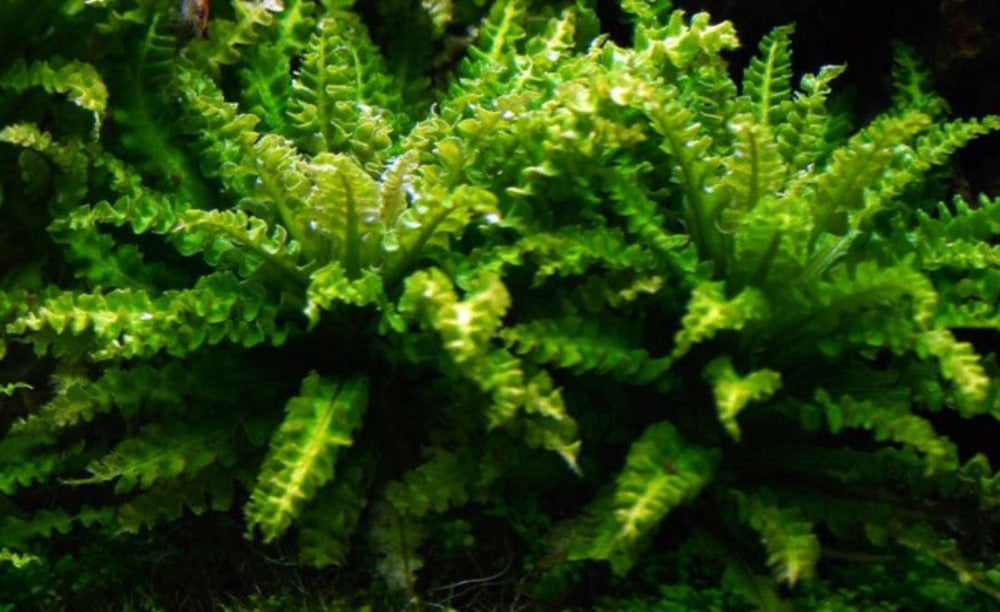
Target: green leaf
[
  {"x": 9, "y": 389},
  {"x": 17, "y": 560},
  {"x": 710, "y": 312},
  {"x": 891, "y": 420},
  {"x": 227, "y": 38},
  {"x": 319, "y": 422},
  {"x": 34, "y": 458},
  {"x": 329, "y": 285},
  {"x": 767, "y": 80},
  {"x": 662, "y": 471},
  {"x": 913, "y": 84},
  {"x": 960, "y": 364},
  {"x": 686, "y": 44},
  {"x": 80, "y": 81},
  {"x": 442, "y": 482},
  {"x": 754, "y": 171},
  {"x": 734, "y": 392},
  {"x": 342, "y": 99},
  {"x": 581, "y": 346},
  {"x": 129, "y": 323},
  {"x": 465, "y": 326},
  {"x": 159, "y": 453},
  {"x": 863, "y": 161},
  {"x": 792, "y": 548},
  {"x": 233, "y": 239},
  {"x": 396, "y": 538},
  {"x": 344, "y": 212},
  {"x": 803, "y": 138}
]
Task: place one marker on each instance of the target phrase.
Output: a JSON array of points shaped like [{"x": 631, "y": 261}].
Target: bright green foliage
[
  {"x": 80, "y": 82},
  {"x": 661, "y": 472},
  {"x": 340, "y": 100},
  {"x": 15, "y": 559},
  {"x": 733, "y": 392},
  {"x": 9, "y": 388},
  {"x": 126, "y": 323},
  {"x": 802, "y": 139},
  {"x": 959, "y": 364},
  {"x": 581, "y": 346},
  {"x": 767, "y": 81},
  {"x": 231, "y": 36},
  {"x": 465, "y": 328},
  {"x": 709, "y": 312},
  {"x": 579, "y": 303},
  {"x": 303, "y": 450}
]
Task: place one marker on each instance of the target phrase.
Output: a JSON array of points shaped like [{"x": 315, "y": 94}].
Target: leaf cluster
[{"x": 315, "y": 283}]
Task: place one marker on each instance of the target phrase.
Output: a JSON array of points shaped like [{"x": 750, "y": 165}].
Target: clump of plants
[{"x": 465, "y": 304}]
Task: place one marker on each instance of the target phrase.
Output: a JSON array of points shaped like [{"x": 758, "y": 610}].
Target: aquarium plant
[{"x": 466, "y": 303}]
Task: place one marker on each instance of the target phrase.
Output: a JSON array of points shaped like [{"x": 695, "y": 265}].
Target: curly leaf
[
  {"x": 803, "y": 138},
  {"x": 17, "y": 560},
  {"x": 32, "y": 458},
  {"x": 80, "y": 81},
  {"x": 662, "y": 471},
  {"x": 233, "y": 239},
  {"x": 342, "y": 99},
  {"x": 319, "y": 422},
  {"x": 344, "y": 210},
  {"x": 734, "y": 392},
  {"x": 709, "y": 312},
  {"x": 890, "y": 420},
  {"x": 767, "y": 80},
  {"x": 684, "y": 44},
  {"x": 959, "y": 364},
  {"x": 912, "y": 83},
  {"x": 329, "y": 285},
  {"x": 227, "y": 38},
  {"x": 581, "y": 346},
  {"x": 396, "y": 538},
  {"x": 755, "y": 169},
  {"x": 129, "y": 323},
  {"x": 792, "y": 548},
  {"x": 440, "y": 483},
  {"x": 159, "y": 453},
  {"x": 465, "y": 326}
]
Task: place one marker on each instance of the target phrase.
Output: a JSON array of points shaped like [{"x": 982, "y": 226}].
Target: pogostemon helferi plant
[{"x": 609, "y": 294}]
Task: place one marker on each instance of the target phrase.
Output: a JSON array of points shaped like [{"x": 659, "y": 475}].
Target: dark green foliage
[{"x": 598, "y": 323}]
